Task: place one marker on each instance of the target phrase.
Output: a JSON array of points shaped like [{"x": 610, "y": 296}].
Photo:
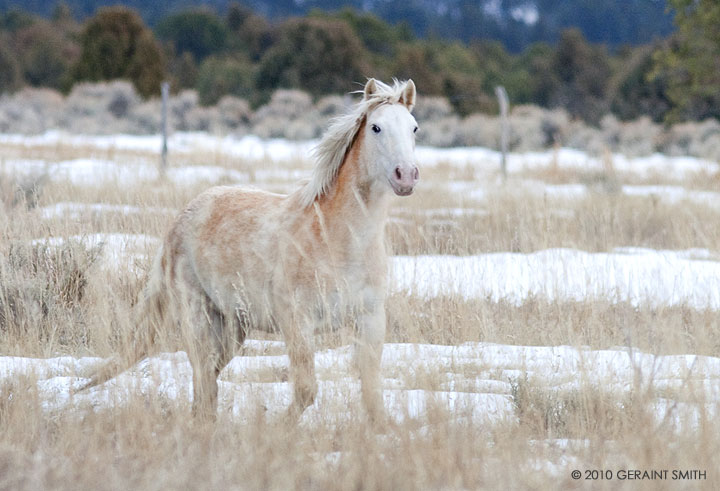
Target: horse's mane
[{"x": 333, "y": 147}]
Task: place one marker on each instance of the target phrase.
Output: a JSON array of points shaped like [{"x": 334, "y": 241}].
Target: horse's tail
[{"x": 148, "y": 314}]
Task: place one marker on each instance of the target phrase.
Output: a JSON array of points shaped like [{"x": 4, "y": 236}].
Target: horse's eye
[
  {"x": 376, "y": 128},
  {"x": 415, "y": 130}
]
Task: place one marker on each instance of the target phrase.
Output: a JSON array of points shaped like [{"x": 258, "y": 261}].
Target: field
[{"x": 561, "y": 319}]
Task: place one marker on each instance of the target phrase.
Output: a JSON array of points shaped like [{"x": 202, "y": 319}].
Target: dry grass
[{"x": 63, "y": 302}]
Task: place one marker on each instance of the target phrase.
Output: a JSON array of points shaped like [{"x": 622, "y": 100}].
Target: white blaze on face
[{"x": 390, "y": 143}]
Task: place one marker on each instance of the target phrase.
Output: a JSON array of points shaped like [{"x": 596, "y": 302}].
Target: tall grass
[{"x": 66, "y": 301}]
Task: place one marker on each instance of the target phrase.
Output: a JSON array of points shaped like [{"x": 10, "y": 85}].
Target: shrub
[
  {"x": 10, "y": 75},
  {"x": 179, "y": 106},
  {"x": 234, "y": 112},
  {"x": 224, "y": 76},
  {"x": 701, "y": 139},
  {"x": 533, "y": 128},
  {"x": 30, "y": 111},
  {"x": 318, "y": 54},
  {"x": 100, "y": 108},
  {"x": 291, "y": 114},
  {"x": 196, "y": 31},
  {"x": 332, "y": 106},
  {"x": 38, "y": 283},
  {"x": 432, "y": 108},
  {"x": 116, "y": 44},
  {"x": 46, "y": 55},
  {"x": 638, "y": 137},
  {"x": 480, "y": 130}
]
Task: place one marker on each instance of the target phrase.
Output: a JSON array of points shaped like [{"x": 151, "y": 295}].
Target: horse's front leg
[
  {"x": 368, "y": 354},
  {"x": 302, "y": 367}
]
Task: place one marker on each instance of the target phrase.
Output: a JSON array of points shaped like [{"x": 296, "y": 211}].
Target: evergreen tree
[
  {"x": 583, "y": 72},
  {"x": 10, "y": 75},
  {"x": 117, "y": 44},
  {"x": 318, "y": 55},
  {"x": 689, "y": 63},
  {"x": 197, "y": 31}
]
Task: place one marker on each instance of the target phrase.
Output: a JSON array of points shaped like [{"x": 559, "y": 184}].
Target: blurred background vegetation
[{"x": 631, "y": 58}]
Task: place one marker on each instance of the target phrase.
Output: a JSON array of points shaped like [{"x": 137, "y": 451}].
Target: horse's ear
[
  {"x": 407, "y": 98},
  {"x": 370, "y": 88}
]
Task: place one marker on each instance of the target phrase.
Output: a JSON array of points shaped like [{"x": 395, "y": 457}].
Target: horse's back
[{"x": 224, "y": 240}]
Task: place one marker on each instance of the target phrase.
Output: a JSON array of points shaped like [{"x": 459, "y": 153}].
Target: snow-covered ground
[
  {"x": 642, "y": 277},
  {"x": 252, "y": 149},
  {"x": 473, "y": 381}
]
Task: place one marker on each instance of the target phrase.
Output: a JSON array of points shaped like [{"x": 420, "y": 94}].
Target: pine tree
[
  {"x": 117, "y": 44},
  {"x": 690, "y": 62}
]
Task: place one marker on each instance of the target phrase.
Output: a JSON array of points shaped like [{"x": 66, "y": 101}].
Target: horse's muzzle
[{"x": 404, "y": 179}]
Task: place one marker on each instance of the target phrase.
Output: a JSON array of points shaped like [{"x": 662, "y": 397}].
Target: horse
[{"x": 237, "y": 259}]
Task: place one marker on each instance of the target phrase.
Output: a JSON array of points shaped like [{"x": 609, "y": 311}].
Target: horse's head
[{"x": 389, "y": 139}]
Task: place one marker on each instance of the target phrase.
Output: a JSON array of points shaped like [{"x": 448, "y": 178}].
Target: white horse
[{"x": 238, "y": 259}]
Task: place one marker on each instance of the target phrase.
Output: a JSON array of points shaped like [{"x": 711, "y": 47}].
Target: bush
[
  {"x": 234, "y": 112},
  {"x": 634, "y": 138},
  {"x": 39, "y": 283},
  {"x": 179, "y": 107},
  {"x": 320, "y": 55},
  {"x": 532, "y": 128},
  {"x": 701, "y": 139},
  {"x": 31, "y": 111},
  {"x": 291, "y": 114},
  {"x": 432, "y": 108},
  {"x": 47, "y": 54},
  {"x": 100, "y": 107},
  {"x": 480, "y": 130},
  {"x": 332, "y": 106},
  {"x": 10, "y": 75},
  {"x": 224, "y": 76},
  {"x": 116, "y": 44},
  {"x": 195, "y": 31}
]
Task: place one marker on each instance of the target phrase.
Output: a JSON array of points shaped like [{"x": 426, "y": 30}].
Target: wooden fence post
[
  {"x": 165, "y": 91},
  {"x": 504, "y": 126}
]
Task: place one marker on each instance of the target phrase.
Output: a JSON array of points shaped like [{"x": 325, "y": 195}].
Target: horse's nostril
[
  {"x": 416, "y": 174},
  {"x": 398, "y": 174}
]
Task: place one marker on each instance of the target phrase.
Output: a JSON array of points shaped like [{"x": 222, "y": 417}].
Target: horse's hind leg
[{"x": 209, "y": 351}]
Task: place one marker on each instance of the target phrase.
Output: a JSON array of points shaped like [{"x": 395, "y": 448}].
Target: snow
[
  {"x": 95, "y": 172},
  {"x": 485, "y": 192},
  {"x": 676, "y": 194},
  {"x": 117, "y": 250},
  {"x": 471, "y": 381},
  {"x": 567, "y": 159},
  {"x": 75, "y": 211},
  {"x": 253, "y": 150},
  {"x": 246, "y": 387},
  {"x": 641, "y": 277},
  {"x": 635, "y": 275}
]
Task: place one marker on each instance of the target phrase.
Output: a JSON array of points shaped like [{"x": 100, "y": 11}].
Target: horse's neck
[{"x": 355, "y": 204}]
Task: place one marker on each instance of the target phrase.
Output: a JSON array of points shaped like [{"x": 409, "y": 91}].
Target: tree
[
  {"x": 416, "y": 61},
  {"x": 318, "y": 55},
  {"x": 222, "y": 76},
  {"x": 583, "y": 71},
  {"x": 633, "y": 92},
  {"x": 46, "y": 52},
  {"x": 378, "y": 36},
  {"x": 197, "y": 31},
  {"x": 248, "y": 32},
  {"x": 689, "y": 62},
  {"x": 117, "y": 44},
  {"x": 10, "y": 76}
]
